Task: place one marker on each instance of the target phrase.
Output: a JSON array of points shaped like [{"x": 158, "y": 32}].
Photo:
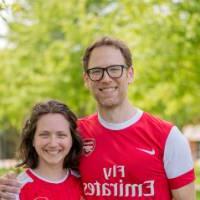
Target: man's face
[{"x": 109, "y": 92}]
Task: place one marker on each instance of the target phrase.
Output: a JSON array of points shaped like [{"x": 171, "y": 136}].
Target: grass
[
  {"x": 198, "y": 195},
  {"x": 3, "y": 171},
  {"x": 197, "y": 172}
]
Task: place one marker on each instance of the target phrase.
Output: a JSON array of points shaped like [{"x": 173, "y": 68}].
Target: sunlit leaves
[{"x": 47, "y": 40}]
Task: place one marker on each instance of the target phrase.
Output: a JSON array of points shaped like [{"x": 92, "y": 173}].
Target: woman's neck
[{"x": 51, "y": 173}]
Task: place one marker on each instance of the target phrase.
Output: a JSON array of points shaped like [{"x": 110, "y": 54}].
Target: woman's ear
[{"x": 33, "y": 143}]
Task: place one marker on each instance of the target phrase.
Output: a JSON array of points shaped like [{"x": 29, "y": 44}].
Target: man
[{"x": 127, "y": 154}]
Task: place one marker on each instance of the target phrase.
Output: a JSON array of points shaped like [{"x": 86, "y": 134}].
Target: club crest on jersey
[{"x": 88, "y": 146}]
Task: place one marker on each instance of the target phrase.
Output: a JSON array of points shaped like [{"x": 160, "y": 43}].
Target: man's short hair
[{"x": 108, "y": 41}]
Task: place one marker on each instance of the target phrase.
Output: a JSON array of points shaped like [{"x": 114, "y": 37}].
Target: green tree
[{"x": 47, "y": 40}]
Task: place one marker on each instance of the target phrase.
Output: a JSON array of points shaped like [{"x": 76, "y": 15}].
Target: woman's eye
[
  {"x": 62, "y": 135},
  {"x": 43, "y": 135}
]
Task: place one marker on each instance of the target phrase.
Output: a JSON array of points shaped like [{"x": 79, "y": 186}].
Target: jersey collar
[{"x": 123, "y": 125}]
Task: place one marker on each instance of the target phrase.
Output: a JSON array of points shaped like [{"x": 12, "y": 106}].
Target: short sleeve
[{"x": 177, "y": 159}]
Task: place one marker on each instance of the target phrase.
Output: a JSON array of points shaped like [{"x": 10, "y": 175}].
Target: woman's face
[{"x": 52, "y": 140}]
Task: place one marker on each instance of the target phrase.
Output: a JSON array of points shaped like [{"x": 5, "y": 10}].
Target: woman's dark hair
[{"x": 27, "y": 153}]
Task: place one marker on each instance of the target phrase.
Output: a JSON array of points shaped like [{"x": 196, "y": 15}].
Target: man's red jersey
[
  {"x": 143, "y": 158},
  {"x": 38, "y": 188}
]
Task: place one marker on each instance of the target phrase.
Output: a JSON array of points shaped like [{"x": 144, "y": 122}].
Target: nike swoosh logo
[{"x": 150, "y": 152}]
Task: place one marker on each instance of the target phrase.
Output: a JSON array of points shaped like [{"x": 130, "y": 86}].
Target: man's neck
[{"x": 117, "y": 114}]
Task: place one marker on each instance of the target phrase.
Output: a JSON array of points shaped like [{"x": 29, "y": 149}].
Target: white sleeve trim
[
  {"x": 177, "y": 155},
  {"x": 23, "y": 178}
]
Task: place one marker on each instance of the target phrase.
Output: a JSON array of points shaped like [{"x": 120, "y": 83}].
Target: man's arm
[
  {"x": 9, "y": 187},
  {"x": 179, "y": 166},
  {"x": 186, "y": 192}
]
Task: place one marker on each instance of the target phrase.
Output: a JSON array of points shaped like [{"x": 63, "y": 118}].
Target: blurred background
[{"x": 42, "y": 43}]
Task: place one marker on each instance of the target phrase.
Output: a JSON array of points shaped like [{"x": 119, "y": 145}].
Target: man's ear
[
  {"x": 86, "y": 80},
  {"x": 130, "y": 74}
]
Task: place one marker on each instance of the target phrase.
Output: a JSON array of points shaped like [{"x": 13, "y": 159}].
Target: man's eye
[
  {"x": 95, "y": 71},
  {"x": 113, "y": 69}
]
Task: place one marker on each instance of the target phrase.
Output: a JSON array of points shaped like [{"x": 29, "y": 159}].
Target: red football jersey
[
  {"x": 142, "y": 158},
  {"x": 38, "y": 188}
]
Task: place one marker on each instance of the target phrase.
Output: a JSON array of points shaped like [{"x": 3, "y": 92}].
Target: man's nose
[{"x": 106, "y": 77}]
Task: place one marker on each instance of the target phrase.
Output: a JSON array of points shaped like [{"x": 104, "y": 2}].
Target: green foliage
[
  {"x": 197, "y": 173},
  {"x": 8, "y": 138},
  {"x": 198, "y": 195},
  {"x": 4, "y": 171},
  {"x": 47, "y": 40}
]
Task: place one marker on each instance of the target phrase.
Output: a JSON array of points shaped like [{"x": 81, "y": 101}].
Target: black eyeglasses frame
[{"x": 103, "y": 71}]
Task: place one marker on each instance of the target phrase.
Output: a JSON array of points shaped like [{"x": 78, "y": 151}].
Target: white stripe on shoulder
[
  {"x": 24, "y": 178},
  {"x": 75, "y": 173},
  {"x": 45, "y": 179},
  {"x": 177, "y": 154}
]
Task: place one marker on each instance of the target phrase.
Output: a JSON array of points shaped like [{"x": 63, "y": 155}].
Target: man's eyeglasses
[{"x": 113, "y": 71}]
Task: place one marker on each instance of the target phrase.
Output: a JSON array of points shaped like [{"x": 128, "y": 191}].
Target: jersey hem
[{"x": 185, "y": 179}]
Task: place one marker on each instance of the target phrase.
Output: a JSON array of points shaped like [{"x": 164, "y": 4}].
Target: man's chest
[{"x": 122, "y": 155}]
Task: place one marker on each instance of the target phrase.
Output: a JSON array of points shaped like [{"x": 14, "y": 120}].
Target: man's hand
[{"x": 9, "y": 187}]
